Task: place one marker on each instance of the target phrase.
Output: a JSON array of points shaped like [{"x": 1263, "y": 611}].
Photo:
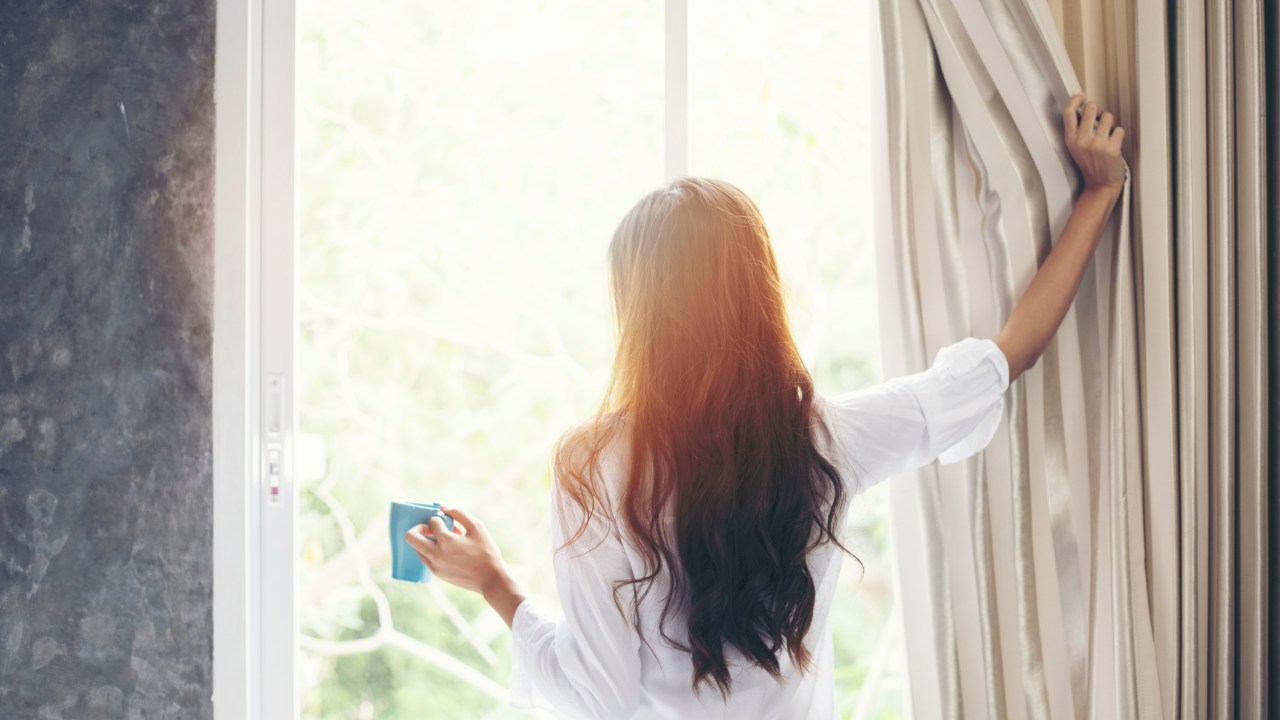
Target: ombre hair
[{"x": 717, "y": 407}]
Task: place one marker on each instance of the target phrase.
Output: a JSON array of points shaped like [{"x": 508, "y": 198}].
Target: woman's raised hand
[{"x": 1094, "y": 141}]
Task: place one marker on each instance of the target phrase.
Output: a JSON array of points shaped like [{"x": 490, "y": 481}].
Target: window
[
  {"x": 461, "y": 169},
  {"x": 780, "y": 106}
]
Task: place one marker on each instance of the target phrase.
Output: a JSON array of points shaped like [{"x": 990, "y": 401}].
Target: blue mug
[{"x": 405, "y": 563}]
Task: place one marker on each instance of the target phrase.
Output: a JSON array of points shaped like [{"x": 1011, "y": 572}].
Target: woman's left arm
[{"x": 1094, "y": 142}]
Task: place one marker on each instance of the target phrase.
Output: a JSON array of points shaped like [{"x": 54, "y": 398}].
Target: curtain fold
[
  {"x": 1271, "y": 671},
  {"x": 1220, "y": 231},
  {"x": 1106, "y": 555}
]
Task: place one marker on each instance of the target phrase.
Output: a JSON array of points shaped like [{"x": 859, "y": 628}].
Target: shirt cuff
[
  {"x": 520, "y": 685},
  {"x": 971, "y": 364}
]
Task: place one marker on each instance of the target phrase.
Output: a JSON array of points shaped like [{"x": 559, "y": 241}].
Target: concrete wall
[{"x": 106, "y": 192}]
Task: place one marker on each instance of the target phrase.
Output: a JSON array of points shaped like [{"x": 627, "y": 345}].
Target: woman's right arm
[{"x": 1036, "y": 317}]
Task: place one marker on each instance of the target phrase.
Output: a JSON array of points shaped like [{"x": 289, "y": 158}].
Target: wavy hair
[{"x": 719, "y": 409}]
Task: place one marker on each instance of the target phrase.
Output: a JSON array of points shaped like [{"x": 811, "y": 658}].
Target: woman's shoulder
[
  {"x": 592, "y": 457},
  {"x": 603, "y": 437},
  {"x": 590, "y": 470}
]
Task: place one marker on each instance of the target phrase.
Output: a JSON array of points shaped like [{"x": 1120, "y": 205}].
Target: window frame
[{"x": 255, "y": 633}]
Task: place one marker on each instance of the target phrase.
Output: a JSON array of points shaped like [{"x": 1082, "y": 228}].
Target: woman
[{"x": 699, "y": 518}]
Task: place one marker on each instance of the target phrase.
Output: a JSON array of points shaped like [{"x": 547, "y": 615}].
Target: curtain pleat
[
  {"x": 1220, "y": 186},
  {"x": 1105, "y": 556},
  {"x": 1221, "y": 362},
  {"x": 1191, "y": 212},
  {"x": 1250, "y": 282},
  {"x": 1270, "y": 669},
  {"x": 1151, "y": 150}
]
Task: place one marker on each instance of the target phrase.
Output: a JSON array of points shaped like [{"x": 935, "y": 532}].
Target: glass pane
[
  {"x": 463, "y": 166},
  {"x": 780, "y": 97}
]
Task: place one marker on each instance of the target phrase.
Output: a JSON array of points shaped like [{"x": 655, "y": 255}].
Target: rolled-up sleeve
[
  {"x": 948, "y": 412},
  {"x": 588, "y": 664}
]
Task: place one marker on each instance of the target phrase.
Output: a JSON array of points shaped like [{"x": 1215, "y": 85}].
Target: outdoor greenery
[{"x": 463, "y": 166}]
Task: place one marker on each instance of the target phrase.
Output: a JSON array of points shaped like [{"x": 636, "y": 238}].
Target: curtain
[
  {"x": 1105, "y": 556},
  {"x": 1272, "y": 489}
]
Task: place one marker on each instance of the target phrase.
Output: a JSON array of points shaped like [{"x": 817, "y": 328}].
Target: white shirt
[{"x": 594, "y": 663}]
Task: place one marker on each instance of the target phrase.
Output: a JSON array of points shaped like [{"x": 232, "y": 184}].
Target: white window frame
[
  {"x": 255, "y": 235},
  {"x": 254, "y": 417}
]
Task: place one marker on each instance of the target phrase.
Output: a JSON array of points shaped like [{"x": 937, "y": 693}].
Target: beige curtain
[
  {"x": 1271, "y": 491},
  {"x": 1104, "y": 557}
]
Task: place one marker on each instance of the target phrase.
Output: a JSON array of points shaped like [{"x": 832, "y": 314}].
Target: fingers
[
  {"x": 1117, "y": 138},
  {"x": 439, "y": 530},
  {"x": 418, "y": 540},
  {"x": 465, "y": 517},
  {"x": 1071, "y": 115},
  {"x": 1082, "y": 123},
  {"x": 1088, "y": 119},
  {"x": 1105, "y": 123}
]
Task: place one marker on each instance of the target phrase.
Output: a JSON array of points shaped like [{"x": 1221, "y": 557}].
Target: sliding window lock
[{"x": 273, "y": 438}]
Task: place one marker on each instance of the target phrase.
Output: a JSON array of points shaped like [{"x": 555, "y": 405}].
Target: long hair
[{"x": 719, "y": 409}]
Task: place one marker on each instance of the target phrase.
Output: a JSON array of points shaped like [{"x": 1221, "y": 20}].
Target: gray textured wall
[{"x": 106, "y": 190}]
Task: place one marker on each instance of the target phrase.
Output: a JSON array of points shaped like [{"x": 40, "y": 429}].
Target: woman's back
[{"x": 607, "y": 661}]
